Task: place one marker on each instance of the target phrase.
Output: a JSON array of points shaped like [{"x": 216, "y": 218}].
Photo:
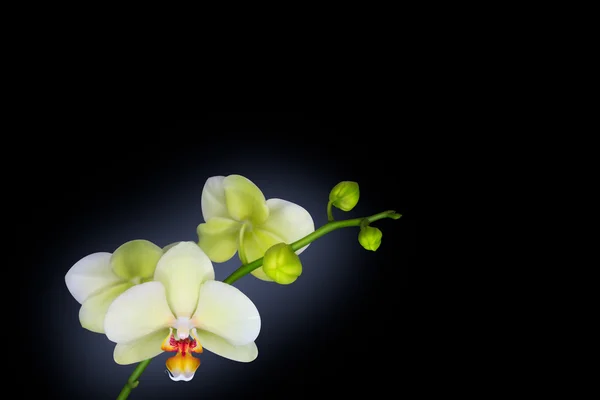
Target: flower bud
[
  {"x": 281, "y": 264},
  {"x": 345, "y": 195},
  {"x": 370, "y": 238}
]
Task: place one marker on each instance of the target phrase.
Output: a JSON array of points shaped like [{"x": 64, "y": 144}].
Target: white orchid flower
[
  {"x": 99, "y": 278},
  {"x": 238, "y": 218},
  {"x": 183, "y": 297}
]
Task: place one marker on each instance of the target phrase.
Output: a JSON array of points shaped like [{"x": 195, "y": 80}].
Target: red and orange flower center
[
  {"x": 182, "y": 346},
  {"x": 183, "y": 365}
]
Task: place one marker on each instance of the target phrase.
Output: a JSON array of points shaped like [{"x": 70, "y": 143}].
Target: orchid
[
  {"x": 185, "y": 298},
  {"x": 238, "y": 218},
  {"x": 149, "y": 300},
  {"x": 99, "y": 278}
]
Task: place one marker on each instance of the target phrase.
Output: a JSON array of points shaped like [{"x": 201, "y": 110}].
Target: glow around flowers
[
  {"x": 183, "y": 310},
  {"x": 238, "y": 218},
  {"x": 99, "y": 278}
]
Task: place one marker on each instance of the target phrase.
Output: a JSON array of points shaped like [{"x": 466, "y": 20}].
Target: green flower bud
[
  {"x": 281, "y": 264},
  {"x": 345, "y": 195},
  {"x": 370, "y": 238}
]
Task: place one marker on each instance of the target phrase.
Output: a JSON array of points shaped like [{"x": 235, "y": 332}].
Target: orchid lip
[{"x": 183, "y": 365}]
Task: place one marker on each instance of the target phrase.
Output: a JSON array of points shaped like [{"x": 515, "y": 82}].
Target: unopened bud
[
  {"x": 344, "y": 195},
  {"x": 370, "y": 238},
  {"x": 281, "y": 264}
]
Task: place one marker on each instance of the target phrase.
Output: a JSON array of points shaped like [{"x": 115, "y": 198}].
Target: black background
[{"x": 90, "y": 184}]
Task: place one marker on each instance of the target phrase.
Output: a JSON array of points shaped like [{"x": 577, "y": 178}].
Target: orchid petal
[
  {"x": 168, "y": 247},
  {"x": 245, "y": 201},
  {"x": 288, "y": 221},
  {"x": 89, "y": 275},
  {"x": 181, "y": 270},
  {"x": 141, "y": 349},
  {"x": 227, "y": 312},
  {"x": 139, "y": 311},
  {"x": 136, "y": 259},
  {"x": 213, "y": 199},
  {"x": 219, "y": 238},
  {"x": 221, "y": 347},
  {"x": 94, "y": 308}
]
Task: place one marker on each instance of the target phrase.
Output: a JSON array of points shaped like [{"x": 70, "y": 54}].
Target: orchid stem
[
  {"x": 133, "y": 382},
  {"x": 325, "y": 229},
  {"x": 329, "y": 212}
]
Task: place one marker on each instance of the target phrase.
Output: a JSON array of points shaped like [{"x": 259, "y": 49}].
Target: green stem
[
  {"x": 133, "y": 382},
  {"x": 325, "y": 229},
  {"x": 329, "y": 212}
]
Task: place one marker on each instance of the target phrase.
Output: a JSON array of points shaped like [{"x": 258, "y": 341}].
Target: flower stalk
[
  {"x": 311, "y": 237},
  {"x": 133, "y": 382}
]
